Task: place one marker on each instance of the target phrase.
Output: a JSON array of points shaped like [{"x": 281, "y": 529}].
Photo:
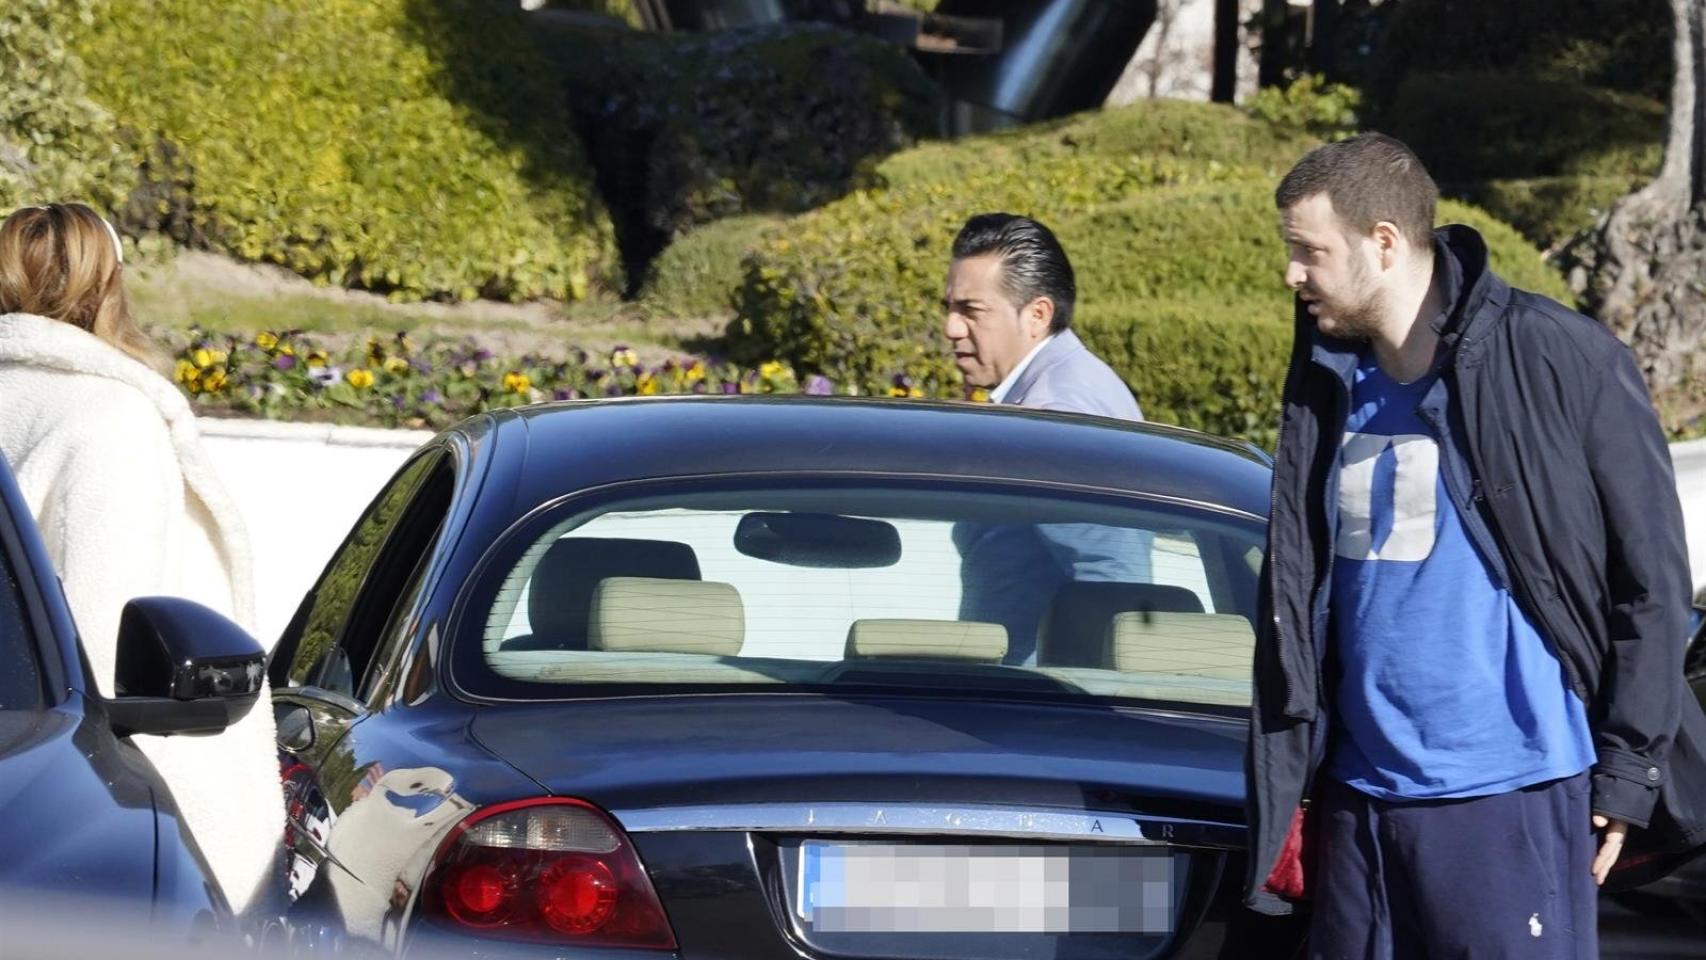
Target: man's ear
[
  {"x": 1038, "y": 315},
  {"x": 1389, "y": 243}
]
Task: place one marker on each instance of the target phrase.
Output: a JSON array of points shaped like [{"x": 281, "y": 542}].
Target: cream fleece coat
[{"x": 110, "y": 461}]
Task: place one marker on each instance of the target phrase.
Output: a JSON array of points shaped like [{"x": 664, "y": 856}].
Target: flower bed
[{"x": 398, "y": 381}]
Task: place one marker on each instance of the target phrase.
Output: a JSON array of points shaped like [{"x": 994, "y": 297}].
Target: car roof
[{"x": 559, "y": 448}]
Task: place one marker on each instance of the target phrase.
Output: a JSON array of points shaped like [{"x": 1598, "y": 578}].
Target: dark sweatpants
[{"x": 1506, "y": 876}]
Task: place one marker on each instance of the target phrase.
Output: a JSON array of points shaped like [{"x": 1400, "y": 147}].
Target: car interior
[{"x": 624, "y": 609}]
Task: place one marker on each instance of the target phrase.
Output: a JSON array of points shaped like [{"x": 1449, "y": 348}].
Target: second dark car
[{"x": 92, "y": 831}]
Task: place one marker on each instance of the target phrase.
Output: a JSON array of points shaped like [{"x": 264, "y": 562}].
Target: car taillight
[{"x": 551, "y": 869}]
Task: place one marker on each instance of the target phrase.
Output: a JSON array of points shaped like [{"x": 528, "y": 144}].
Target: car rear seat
[
  {"x": 926, "y": 640},
  {"x": 1074, "y": 633},
  {"x": 559, "y": 601},
  {"x": 1218, "y": 646},
  {"x": 650, "y": 615}
]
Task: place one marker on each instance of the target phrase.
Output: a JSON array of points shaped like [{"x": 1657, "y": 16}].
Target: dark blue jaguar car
[{"x": 782, "y": 677}]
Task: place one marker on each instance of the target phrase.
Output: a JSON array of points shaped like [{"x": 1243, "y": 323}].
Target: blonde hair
[{"x": 62, "y": 261}]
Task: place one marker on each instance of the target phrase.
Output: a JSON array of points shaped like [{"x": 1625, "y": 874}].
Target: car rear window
[{"x": 1004, "y": 590}]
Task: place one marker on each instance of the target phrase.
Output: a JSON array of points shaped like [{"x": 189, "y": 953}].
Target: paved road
[{"x": 1628, "y": 936}]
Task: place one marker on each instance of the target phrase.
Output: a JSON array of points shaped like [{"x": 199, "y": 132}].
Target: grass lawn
[{"x": 200, "y": 290}]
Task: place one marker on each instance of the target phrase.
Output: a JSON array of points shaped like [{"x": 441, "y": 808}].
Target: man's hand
[{"x": 1610, "y": 845}]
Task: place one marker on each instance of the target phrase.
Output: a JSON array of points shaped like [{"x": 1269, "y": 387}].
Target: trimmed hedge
[
  {"x": 701, "y": 273},
  {"x": 694, "y": 127},
  {"x": 1476, "y": 126},
  {"x": 698, "y": 274},
  {"x": 1547, "y": 210},
  {"x": 55, "y": 142},
  {"x": 1174, "y": 241},
  {"x": 1548, "y": 155},
  {"x": 1622, "y": 45},
  {"x": 1546, "y": 111},
  {"x": 411, "y": 146}
]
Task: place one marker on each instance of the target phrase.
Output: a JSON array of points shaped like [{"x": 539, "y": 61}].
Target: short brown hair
[
  {"x": 1368, "y": 178},
  {"x": 61, "y": 261}
]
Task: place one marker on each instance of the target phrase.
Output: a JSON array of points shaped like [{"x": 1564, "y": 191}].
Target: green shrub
[
  {"x": 1178, "y": 258},
  {"x": 1487, "y": 125},
  {"x": 696, "y": 276},
  {"x": 622, "y": 10},
  {"x": 55, "y": 143},
  {"x": 1622, "y": 45},
  {"x": 693, "y": 127},
  {"x": 1535, "y": 107},
  {"x": 1190, "y": 134},
  {"x": 1548, "y": 155},
  {"x": 411, "y": 146},
  {"x": 1547, "y": 210},
  {"x": 1205, "y": 365},
  {"x": 699, "y": 274},
  {"x": 1311, "y": 104}
]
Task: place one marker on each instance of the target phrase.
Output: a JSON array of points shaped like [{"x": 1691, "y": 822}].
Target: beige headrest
[
  {"x": 646, "y": 615},
  {"x": 1214, "y": 645},
  {"x": 927, "y": 640}
]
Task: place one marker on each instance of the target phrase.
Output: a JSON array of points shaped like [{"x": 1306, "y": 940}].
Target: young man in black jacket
[{"x": 1469, "y": 695}]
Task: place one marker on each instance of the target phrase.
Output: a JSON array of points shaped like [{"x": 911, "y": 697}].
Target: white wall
[
  {"x": 300, "y": 487},
  {"x": 1690, "y": 462},
  {"x": 1176, "y": 58}
]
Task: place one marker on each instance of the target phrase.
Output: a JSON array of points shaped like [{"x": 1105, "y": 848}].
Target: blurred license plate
[{"x": 929, "y": 888}]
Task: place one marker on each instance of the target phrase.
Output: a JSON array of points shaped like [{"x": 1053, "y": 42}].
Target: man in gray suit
[{"x": 1009, "y": 302}]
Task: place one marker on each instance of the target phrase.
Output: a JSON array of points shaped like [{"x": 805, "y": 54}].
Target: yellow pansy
[
  {"x": 184, "y": 372},
  {"x": 396, "y": 365},
  {"x": 646, "y": 385},
  {"x": 980, "y": 395},
  {"x": 517, "y": 382},
  {"x": 214, "y": 381},
  {"x": 202, "y": 358},
  {"x": 360, "y": 379},
  {"x": 266, "y": 340},
  {"x": 624, "y": 358}
]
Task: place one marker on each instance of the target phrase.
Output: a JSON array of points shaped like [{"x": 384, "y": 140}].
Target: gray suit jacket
[
  {"x": 1065, "y": 375},
  {"x": 1010, "y": 572}
]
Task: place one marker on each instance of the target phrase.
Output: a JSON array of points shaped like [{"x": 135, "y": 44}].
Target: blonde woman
[{"x": 107, "y": 454}]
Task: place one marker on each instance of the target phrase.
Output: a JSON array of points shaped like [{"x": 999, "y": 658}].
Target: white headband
[{"x": 118, "y": 244}]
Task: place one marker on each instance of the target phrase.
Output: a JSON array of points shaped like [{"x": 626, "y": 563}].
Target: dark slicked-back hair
[
  {"x": 1032, "y": 262},
  {"x": 1368, "y": 178}
]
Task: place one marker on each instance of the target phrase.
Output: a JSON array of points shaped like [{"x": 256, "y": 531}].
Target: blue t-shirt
[{"x": 1446, "y": 689}]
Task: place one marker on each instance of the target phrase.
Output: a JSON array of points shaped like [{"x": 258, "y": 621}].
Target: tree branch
[{"x": 1679, "y": 179}]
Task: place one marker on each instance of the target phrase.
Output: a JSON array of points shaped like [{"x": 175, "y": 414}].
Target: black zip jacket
[{"x": 1569, "y": 481}]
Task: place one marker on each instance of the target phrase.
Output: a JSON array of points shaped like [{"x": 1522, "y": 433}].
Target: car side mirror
[{"x": 182, "y": 669}]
